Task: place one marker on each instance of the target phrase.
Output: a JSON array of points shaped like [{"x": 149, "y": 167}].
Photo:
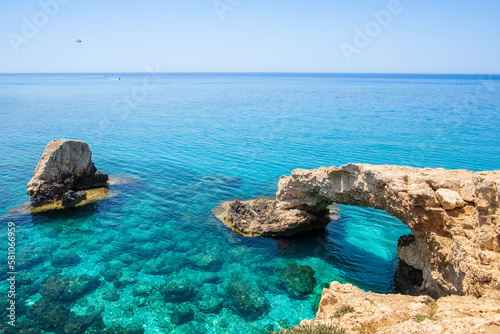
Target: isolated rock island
[
  {"x": 66, "y": 176},
  {"x": 452, "y": 215}
]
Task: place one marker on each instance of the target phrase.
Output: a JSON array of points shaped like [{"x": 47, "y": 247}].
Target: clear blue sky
[{"x": 424, "y": 36}]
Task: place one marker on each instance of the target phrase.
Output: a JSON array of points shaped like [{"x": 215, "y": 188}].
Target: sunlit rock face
[{"x": 63, "y": 172}]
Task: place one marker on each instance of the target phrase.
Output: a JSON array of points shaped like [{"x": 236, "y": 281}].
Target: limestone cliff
[{"x": 64, "y": 171}]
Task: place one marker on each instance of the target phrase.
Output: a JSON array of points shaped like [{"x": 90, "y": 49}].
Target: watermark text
[
  {"x": 30, "y": 27},
  {"x": 11, "y": 262}
]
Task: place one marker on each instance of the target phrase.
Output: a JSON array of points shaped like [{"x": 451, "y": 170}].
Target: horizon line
[{"x": 226, "y": 72}]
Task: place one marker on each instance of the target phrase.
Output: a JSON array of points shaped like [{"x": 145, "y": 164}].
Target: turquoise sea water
[{"x": 153, "y": 256}]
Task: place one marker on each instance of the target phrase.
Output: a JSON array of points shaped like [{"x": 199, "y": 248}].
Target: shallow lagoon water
[{"x": 189, "y": 141}]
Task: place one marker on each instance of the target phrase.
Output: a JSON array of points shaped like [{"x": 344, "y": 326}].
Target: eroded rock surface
[
  {"x": 64, "y": 171},
  {"x": 357, "y": 311}
]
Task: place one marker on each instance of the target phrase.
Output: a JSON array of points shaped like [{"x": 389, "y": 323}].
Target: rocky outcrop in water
[
  {"x": 452, "y": 215},
  {"x": 64, "y": 172},
  {"x": 261, "y": 217}
]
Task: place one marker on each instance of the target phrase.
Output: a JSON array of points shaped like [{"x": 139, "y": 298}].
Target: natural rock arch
[{"x": 452, "y": 215}]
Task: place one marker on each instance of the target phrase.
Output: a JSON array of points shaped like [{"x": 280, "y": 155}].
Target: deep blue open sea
[{"x": 154, "y": 257}]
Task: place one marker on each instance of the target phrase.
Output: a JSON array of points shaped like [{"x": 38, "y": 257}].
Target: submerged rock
[
  {"x": 49, "y": 316},
  {"x": 111, "y": 275},
  {"x": 211, "y": 300},
  {"x": 178, "y": 290},
  {"x": 68, "y": 289},
  {"x": 23, "y": 326},
  {"x": 207, "y": 261},
  {"x": 142, "y": 289},
  {"x": 66, "y": 165},
  {"x": 66, "y": 260},
  {"x": 162, "y": 265},
  {"x": 181, "y": 314},
  {"x": 212, "y": 304},
  {"x": 84, "y": 324},
  {"x": 299, "y": 280},
  {"x": 120, "y": 284},
  {"x": 111, "y": 295},
  {"x": 31, "y": 257},
  {"x": 248, "y": 299},
  {"x": 53, "y": 316}
]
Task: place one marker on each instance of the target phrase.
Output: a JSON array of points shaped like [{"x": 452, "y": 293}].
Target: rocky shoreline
[{"x": 452, "y": 214}]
